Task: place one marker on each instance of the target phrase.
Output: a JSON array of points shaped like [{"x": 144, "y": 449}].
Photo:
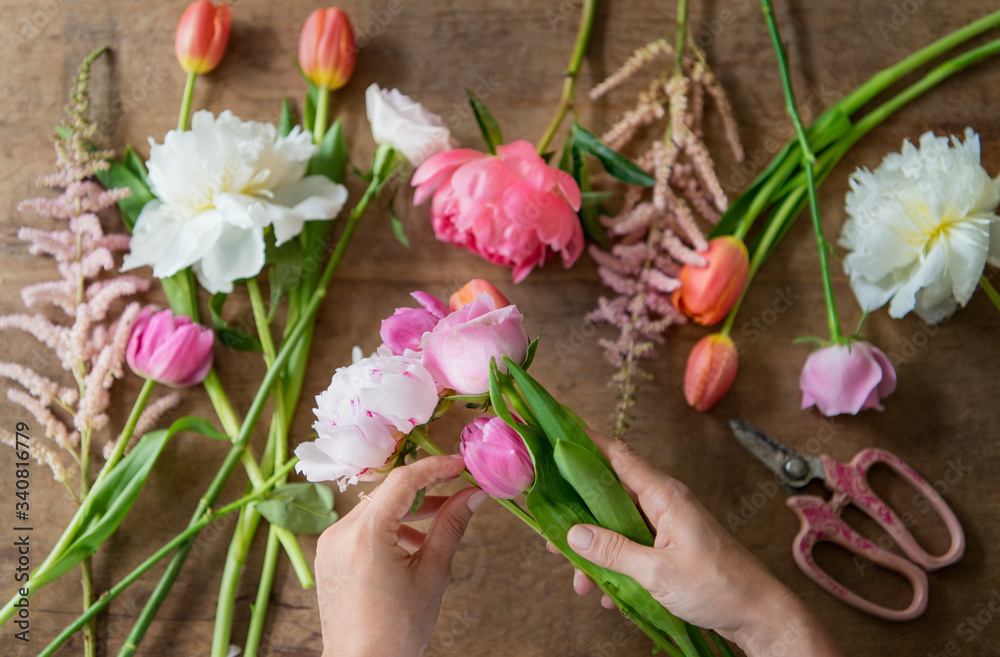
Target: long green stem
[
  {"x": 322, "y": 114},
  {"x": 572, "y": 72},
  {"x": 990, "y": 291},
  {"x": 258, "y": 614},
  {"x": 126, "y": 435},
  {"x": 182, "y": 119},
  {"x": 808, "y": 159},
  {"x": 239, "y": 548},
  {"x": 256, "y": 408},
  {"x": 682, "y": 29},
  {"x": 181, "y": 539}
]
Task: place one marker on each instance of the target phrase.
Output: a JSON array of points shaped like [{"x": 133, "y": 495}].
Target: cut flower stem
[{"x": 572, "y": 73}]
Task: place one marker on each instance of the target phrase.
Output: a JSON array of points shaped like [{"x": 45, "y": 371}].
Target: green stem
[
  {"x": 239, "y": 548},
  {"x": 182, "y": 120},
  {"x": 809, "y": 160},
  {"x": 572, "y": 72},
  {"x": 126, "y": 435},
  {"x": 263, "y": 597},
  {"x": 990, "y": 291},
  {"x": 322, "y": 114},
  {"x": 881, "y": 80},
  {"x": 256, "y": 408},
  {"x": 90, "y": 629},
  {"x": 680, "y": 45},
  {"x": 421, "y": 440},
  {"x": 178, "y": 541}
]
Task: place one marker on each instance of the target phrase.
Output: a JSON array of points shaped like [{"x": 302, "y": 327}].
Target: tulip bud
[
  {"x": 473, "y": 289},
  {"x": 170, "y": 350},
  {"x": 708, "y": 293},
  {"x": 496, "y": 456},
  {"x": 202, "y": 34},
  {"x": 711, "y": 368},
  {"x": 326, "y": 48}
]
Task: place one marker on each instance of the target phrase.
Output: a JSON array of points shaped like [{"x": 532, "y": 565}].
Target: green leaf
[
  {"x": 182, "y": 293},
  {"x": 108, "y": 502},
  {"x": 594, "y": 198},
  {"x": 397, "y": 228},
  {"x": 614, "y": 163},
  {"x": 122, "y": 175},
  {"x": 286, "y": 269},
  {"x": 134, "y": 163},
  {"x": 601, "y": 491},
  {"x": 487, "y": 123},
  {"x": 309, "y": 106},
  {"x": 330, "y": 159},
  {"x": 286, "y": 121},
  {"x": 418, "y": 500},
  {"x": 529, "y": 357},
  {"x": 301, "y": 508},
  {"x": 590, "y": 215},
  {"x": 227, "y": 335}
]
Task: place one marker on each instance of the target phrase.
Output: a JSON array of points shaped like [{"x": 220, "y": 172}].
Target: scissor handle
[
  {"x": 821, "y": 521},
  {"x": 851, "y": 479}
]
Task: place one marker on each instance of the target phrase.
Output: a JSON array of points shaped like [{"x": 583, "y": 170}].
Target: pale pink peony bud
[
  {"x": 169, "y": 349},
  {"x": 847, "y": 378},
  {"x": 496, "y": 456}
]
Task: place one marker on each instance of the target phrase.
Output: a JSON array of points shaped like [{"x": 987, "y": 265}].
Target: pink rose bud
[
  {"x": 711, "y": 368},
  {"x": 496, "y": 456},
  {"x": 510, "y": 208},
  {"x": 708, "y": 293},
  {"x": 326, "y": 48},
  {"x": 169, "y": 349},
  {"x": 202, "y": 34},
  {"x": 406, "y": 326},
  {"x": 473, "y": 289},
  {"x": 459, "y": 349},
  {"x": 847, "y": 378}
]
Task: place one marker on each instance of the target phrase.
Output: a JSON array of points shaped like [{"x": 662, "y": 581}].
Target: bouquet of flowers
[{"x": 377, "y": 412}]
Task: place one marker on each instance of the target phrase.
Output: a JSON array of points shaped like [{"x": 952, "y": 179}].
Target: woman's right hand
[{"x": 696, "y": 569}]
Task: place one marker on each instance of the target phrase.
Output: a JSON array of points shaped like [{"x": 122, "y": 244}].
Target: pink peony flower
[
  {"x": 847, "y": 378},
  {"x": 362, "y": 418},
  {"x": 406, "y": 326},
  {"x": 169, "y": 349},
  {"x": 496, "y": 456},
  {"x": 511, "y": 208},
  {"x": 459, "y": 349}
]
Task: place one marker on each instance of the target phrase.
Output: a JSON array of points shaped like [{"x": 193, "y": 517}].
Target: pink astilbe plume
[
  {"x": 657, "y": 231},
  {"x": 91, "y": 344}
]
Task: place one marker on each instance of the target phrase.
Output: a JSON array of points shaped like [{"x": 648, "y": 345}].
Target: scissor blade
[{"x": 769, "y": 450}]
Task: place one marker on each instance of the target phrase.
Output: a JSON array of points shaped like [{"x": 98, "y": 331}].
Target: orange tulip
[
  {"x": 202, "y": 34},
  {"x": 711, "y": 368},
  {"x": 473, "y": 289},
  {"x": 326, "y": 48},
  {"x": 708, "y": 293}
]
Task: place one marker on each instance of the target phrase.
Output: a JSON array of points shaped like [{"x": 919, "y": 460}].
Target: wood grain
[{"x": 509, "y": 596}]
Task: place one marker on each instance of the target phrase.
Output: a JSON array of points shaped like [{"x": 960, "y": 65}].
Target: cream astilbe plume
[
  {"x": 90, "y": 344},
  {"x": 655, "y": 233}
]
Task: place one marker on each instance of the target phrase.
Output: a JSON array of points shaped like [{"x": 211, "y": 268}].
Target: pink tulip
[
  {"x": 327, "y": 51},
  {"x": 406, "y": 326},
  {"x": 511, "y": 208},
  {"x": 473, "y": 289},
  {"x": 202, "y": 34},
  {"x": 711, "y": 369},
  {"x": 496, "y": 456},
  {"x": 459, "y": 349},
  {"x": 847, "y": 378},
  {"x": 708, "y": 293},
  {"x": 169, "y": 349}
]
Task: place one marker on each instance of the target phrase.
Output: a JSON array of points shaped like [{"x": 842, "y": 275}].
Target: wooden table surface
[{"x": 509, "y": 596}]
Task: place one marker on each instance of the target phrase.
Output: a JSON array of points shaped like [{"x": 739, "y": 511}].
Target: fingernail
[
  {"x": 476, "y": 500},
  {"x": 457, "y": 457},
  {"x": 580, "y": 537}
]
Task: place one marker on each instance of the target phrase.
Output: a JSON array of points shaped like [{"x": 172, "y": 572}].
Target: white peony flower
[
  {"x": 360, "y": 419},
  {"x": 405, "y": 125},
  {"x": 217, "y": 187},
  {"x": 921, "y": 228}
]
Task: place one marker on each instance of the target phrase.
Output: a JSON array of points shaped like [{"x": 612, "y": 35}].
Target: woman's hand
[
  {"x": 695, "y": 568},
  {"x": 379, "y": 581}
]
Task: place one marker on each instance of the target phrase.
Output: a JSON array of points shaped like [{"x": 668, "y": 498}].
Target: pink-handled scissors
[{"x": 821, "y": 519}]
